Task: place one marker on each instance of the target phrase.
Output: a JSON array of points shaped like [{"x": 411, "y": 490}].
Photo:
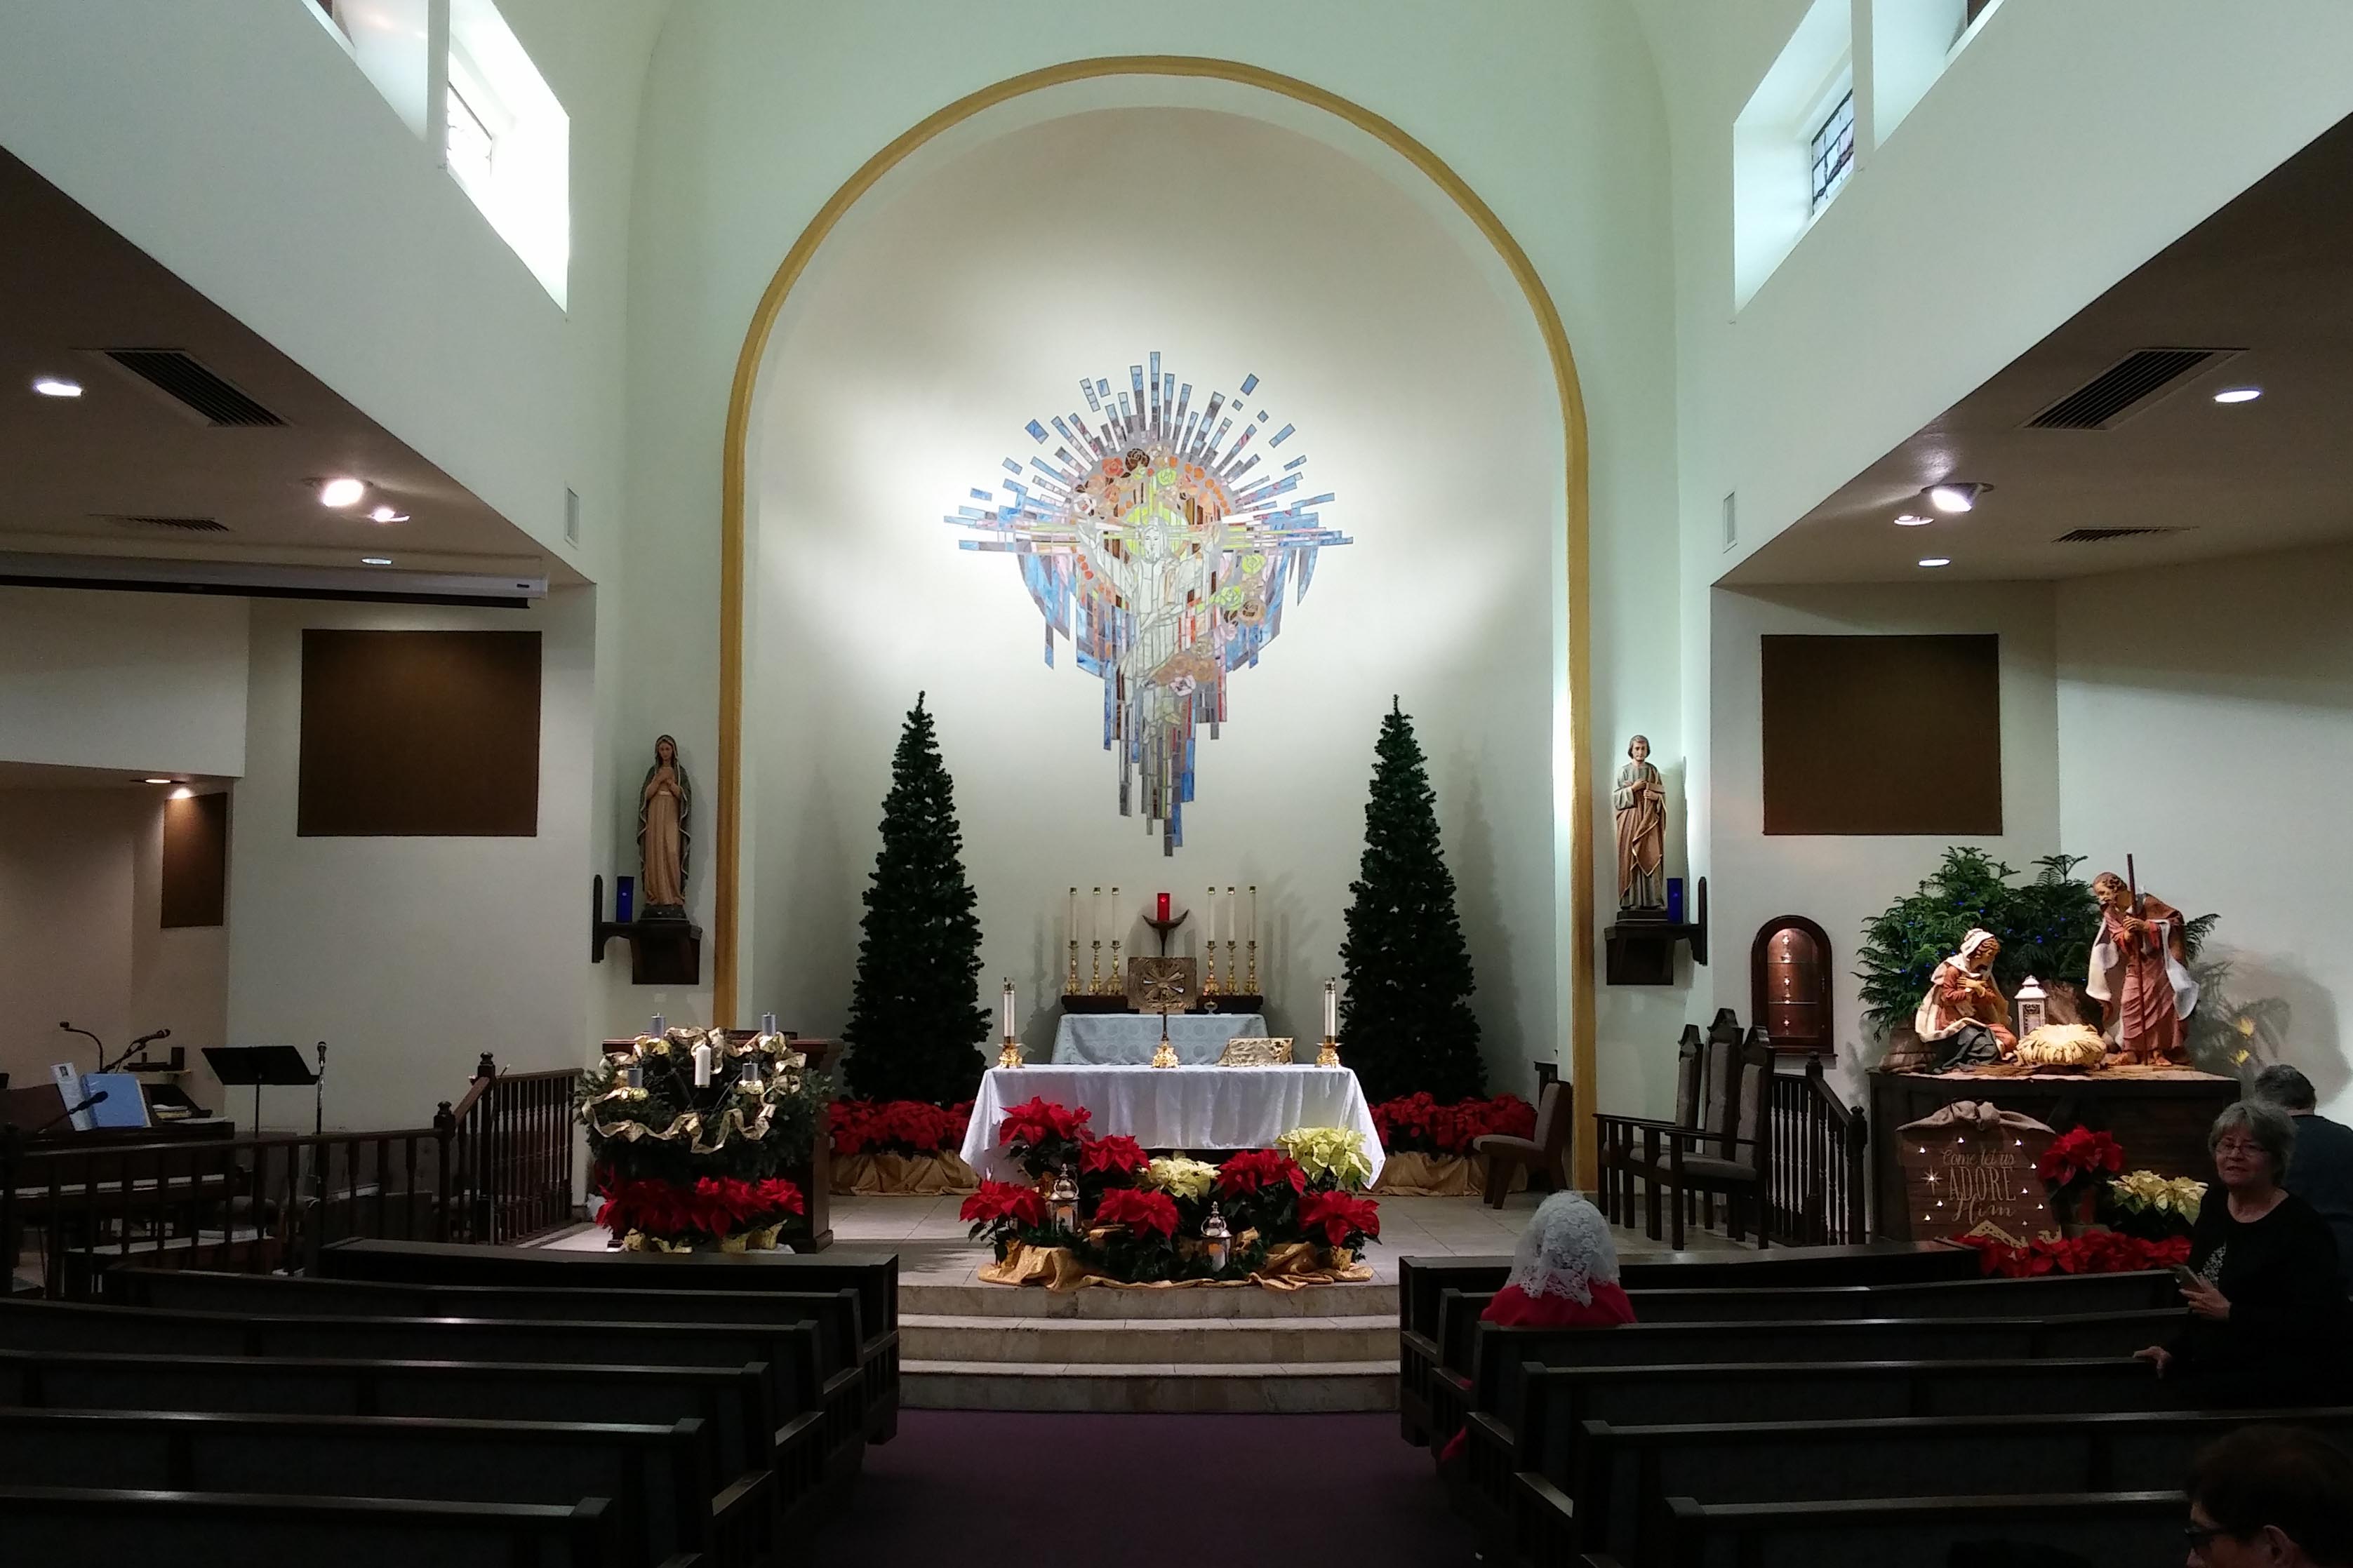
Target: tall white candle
[
  {"x": 1070, "y": 926},
  {"x": 1004, "y": 1011},
  {"x": 1209, "y": 916},
  {"x": 1119, "y": 918},
  {"x": 1095, "y": 918},
  {"x": 1331, "y": 1009},
  {"x": 702, "y": 1064},
  {"x": 1253, "y": 925}
]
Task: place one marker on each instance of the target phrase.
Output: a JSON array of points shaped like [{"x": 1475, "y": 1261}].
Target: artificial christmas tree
[
  {"x": 1406, "y": 1023},
  {"x": 915, "y": 1018}
]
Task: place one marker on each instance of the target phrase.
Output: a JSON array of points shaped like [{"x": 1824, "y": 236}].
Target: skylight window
[
  {"x": 508, "y": 141},
  {"x": 1832, "y": 147}
]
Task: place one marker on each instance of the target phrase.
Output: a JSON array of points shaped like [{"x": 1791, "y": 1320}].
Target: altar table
[
  {"x": 1195, "y": 1108},
  {"x": 1128, "y": 1039}
]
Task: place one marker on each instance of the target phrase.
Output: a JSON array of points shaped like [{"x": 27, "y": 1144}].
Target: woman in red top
[{"x": 1564, "y": 1276}]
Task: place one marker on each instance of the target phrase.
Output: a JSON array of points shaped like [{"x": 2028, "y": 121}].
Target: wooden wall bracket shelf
[
  {"x": 661, "y": 953},
  {"x": 1642, "y": 952}
]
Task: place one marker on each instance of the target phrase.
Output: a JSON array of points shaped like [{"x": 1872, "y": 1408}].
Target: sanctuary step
[{"x": 995, "y": 1347}]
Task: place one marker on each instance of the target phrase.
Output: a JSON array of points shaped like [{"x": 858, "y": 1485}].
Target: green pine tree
[
  {"x": 916, "y": 1019},
  {"x": 1406, "y": 1022}
]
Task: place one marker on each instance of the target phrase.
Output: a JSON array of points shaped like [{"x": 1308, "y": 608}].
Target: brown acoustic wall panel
[
  {"x": 419, "y": 733},
  {"x": 1882, "y": 735},
  {"x": 195, "y": 861}
]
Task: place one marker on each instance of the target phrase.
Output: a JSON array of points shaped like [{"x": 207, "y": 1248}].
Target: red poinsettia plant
[
  {"x": 1115, "y": 1160},
  {"x": 909, "y": 1126},
  {"x": 2079, "y": 1155},
  {"x": 1000, "y": 1211},
  {"x": 1340, "y": 1219},
  {"x": 1259, "y": 1190},
  {"x": 1419, "y": 1124},
  {"x": 2093, "y": 1252},
  {"x": 1043, "y": 1138},
  {"x": 712, "y": 1208},
  {"x": 1142, "y": 1213}
]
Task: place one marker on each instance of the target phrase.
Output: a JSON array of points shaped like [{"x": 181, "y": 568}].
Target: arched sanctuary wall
[
  {"x": 755, "y": 116},
  {"x": 967, "y": 295}
]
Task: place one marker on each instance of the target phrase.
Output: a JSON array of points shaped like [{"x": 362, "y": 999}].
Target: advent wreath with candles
[
  {"x": 689, "y": 1135},
  {"x": 1098, "y": 1210}
]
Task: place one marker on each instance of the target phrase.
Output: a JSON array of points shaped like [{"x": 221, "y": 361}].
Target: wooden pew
[
  {"x": 1521, "y": 1481},
  {"x": 650, "y": 1476},
  {"x": 1920, "y": 1531},
  {"x": 1631, "y": 1470},
  {"x": 1420, "y": 1280},
  {"x": 733, "y": 1406},
  {"x": 874, "y": 1276},
  {"x": 73, "y": 1525},
  {"x": 788, "y": 1352},
  {"x": 835, "y": 1314},
  {"x": 1500, "y": 1355},
  {"x": 1446, "y": 1386}
]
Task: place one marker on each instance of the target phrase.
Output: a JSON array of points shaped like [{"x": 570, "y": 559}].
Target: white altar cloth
[
  {"x": 1128, "y": 1039},
  {"x": 1195, "y": 1108}
]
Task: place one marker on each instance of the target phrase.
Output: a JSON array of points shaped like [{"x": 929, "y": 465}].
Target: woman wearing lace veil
[{"x": 1564, "y": 1276}]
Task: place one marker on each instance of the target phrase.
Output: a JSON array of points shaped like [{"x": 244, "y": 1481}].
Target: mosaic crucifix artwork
[{"x": 1164, "y": 553}]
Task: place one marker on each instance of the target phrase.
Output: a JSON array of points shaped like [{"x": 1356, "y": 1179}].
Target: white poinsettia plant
[
  {"x": 1180, "y": 1177},
  {"x": 1332, "y": 1156}
]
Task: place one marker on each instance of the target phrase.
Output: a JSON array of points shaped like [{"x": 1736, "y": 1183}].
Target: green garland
[{"x": 727, "y": 1129}]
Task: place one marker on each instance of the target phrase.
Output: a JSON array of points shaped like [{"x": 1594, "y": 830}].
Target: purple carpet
[{"x": 991, "y": 1489}]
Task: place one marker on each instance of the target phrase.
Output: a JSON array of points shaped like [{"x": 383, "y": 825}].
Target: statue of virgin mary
[{"x": 665, "y": 803}]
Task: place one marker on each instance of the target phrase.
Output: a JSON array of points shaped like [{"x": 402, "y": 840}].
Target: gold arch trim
[{"x": 726, "y": 858}]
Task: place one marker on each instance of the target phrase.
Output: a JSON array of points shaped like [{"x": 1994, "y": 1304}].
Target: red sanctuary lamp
[{"x": 1164, "y": 908}]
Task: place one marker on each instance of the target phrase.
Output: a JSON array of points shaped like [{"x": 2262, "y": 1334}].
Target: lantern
[
  {"x": 1063, "y": 1204},
  {"x": 2032, "y": 1007},
  {"x": 1216, "y": 1241}
]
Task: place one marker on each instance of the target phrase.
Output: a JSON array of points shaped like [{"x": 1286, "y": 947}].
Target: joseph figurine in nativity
[{"x": 2140, "y": 974}]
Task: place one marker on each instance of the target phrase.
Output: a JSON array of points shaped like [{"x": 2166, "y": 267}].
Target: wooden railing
[
  {"x": 252, "y": 1205},
  {"x": 1816, "y": 1179},
  {"x": 511, "y": 1141},
  {"x": 495, "y": 1167}
]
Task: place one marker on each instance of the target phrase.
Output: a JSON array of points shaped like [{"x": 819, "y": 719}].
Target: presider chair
[{"x": 1545, "y": 1155}]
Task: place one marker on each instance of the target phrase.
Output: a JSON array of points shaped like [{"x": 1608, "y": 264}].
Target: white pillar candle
[
  {"x": 1004, "y": 1011},
  {"x": 1070, "y": 931},
  {"x": 702, "y": 1064},
  {"x": 1331, "y": 1009},
  {"x": 1253, "y": 925}
]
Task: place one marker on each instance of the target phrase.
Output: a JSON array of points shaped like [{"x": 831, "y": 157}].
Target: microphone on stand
[
  {"x": 136, "y": 1049},
  {"x": 97, "y": 1096},
  {"x": 93, "y": 1039}
]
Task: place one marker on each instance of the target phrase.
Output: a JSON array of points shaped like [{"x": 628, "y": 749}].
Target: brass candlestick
[
  {"x": 1094, "y": 967},
  {"x": 1166, "y": 1057},
  {"x": 1251, "y": 987},
  {"x": 1113, "y": 984},
  {"x": 1071, "y": 985},
  {"x": 1233, "y": 969}
]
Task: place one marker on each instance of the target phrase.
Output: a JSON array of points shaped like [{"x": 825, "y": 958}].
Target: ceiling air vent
[
  {"x": 2103, "y": 535},
  {"x": 183, "y": 378},
  {"x": 183, "y": 525},
  {"x": 2109, "y": 395}
]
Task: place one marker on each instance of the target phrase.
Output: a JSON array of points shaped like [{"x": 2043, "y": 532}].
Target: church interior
[{"x": 791, "y": 784}]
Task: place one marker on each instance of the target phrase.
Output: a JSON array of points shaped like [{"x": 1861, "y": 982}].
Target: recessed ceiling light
[
  {"x": 1936, "y": 561},
  {"x": 2238, "y": 395},
  {"x": 163, "y": 781},
  {"x": 388, "y": 514},
  {"x": 1914, "y": 520},
  {"x": 56, "y": 387},
  {"x": 375, "y": 560},
  {"x": 341, "y": 492},
  {"x": 1954, "y": 496}
]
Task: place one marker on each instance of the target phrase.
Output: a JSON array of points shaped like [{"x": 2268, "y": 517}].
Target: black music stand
[{"x": 277, "y": 1066}]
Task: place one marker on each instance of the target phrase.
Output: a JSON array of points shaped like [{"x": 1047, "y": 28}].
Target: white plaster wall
[
  {"x": 951, "y": 315},
  {"x": 2206, "y": 728},
  {"x": 143, "y": 682},
  {"x": 411, "y": 956},
  {"x": 238, "y": 145},
  {"x": 81, "y": 922},
  {"x": 1552, "y": 113},
  {"x": 1841, "y": 881}
]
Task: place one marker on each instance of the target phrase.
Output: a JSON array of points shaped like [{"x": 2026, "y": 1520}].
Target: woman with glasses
[{"x": 2267, "y": 1316}]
